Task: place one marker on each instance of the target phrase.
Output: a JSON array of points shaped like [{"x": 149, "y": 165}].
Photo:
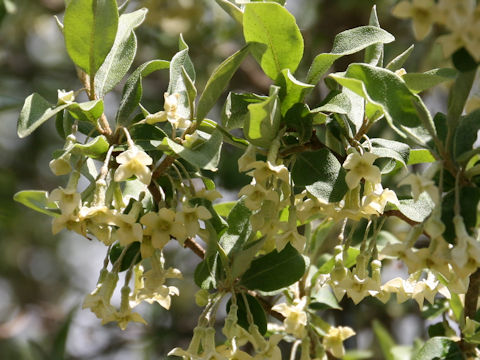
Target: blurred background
[{"x": 44, "y": 278}]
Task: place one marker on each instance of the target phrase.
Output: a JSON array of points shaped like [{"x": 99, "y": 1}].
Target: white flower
[
  {"x": 247, "y": 159},
  {"x": 374, "y": 203},
  {"x": 189, "y": 217},
  {"x": 61, "y": 165},
  {"x": 128, "y": 230},
  {"x": 134, "y": 162},
  {"x": 295, "y": 316},
  {"x": 256, "y": 194},
  {"x": 150, "y": 286},
  {"x": 65, "y": 97},
  {"x": 420, "y": 184},
  {"x": 68, "y": 200},
  {"x": 422, "y": 12},
  {"x": 160, "y": 226},
  {"x": 333, "y": 341},
  {"x": 361, "y": 167},
  {"x": 265, "y": 169},
  {"x": 125, "y": 315}
]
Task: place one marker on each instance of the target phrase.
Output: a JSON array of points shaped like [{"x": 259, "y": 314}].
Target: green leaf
[
  {"x": 242, "y": 259},
  {"x": 346, "y": 43},
  {"x": 263, "y": 122},
  {"x": 384, "y": 90},
  {"x": 324, "y": 299},
  {"x": 218, "y": 81},
  {"x": 322, "y": 175},
  {"x": 205, "y": 156},
  {"x": 95, "y": 148},
  {"x": 374, "y": 53},
  {"x": 384, "y": 339},
  {"x": 232, "y": 10},
  {"x": 223, "y": 209},
  {"x": 36, "y": 110},
  {"x": 235, "y": 111},
  {"x": 190, "y": 91},
  {"x": 121, "y": 55},
  {"x": 133, "y": 90},
  {"x": 418, "y": 82},
  {"x": 277, "y": 41},
  {"x": 349, "y": 261},
  {"x": 336, "y": 102},
  {"x": 90, "y": 27},
  {"x": 239, "y": 229},
  {"x": 132, "y": 252},
  {"x": 38, "y": 201},
  {"x": 258, "y": 314},
  {"x": 391, "y": 149},
  {"x": 181, "y": 60},
  {"x": 88, "y": 111},
  {"x": 466, "y": 135},
  {"x": 397, "y": 62},
  {"x": 146, "y": 132},
  {"x": 204, "y": 275},
  {"x": 292, "y": 91},
  {"x": 420, "y": 156},
  {"x": 439, "y": 348},
  {"x": 417, "y": 210},
  {"x": 275, "y": 270}
]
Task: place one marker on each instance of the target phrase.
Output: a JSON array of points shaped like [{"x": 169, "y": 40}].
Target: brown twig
[
  {"x": 398, "y": 214},
  {"x": 470, "y": 309},
  {"x": 195, "y": 247}
]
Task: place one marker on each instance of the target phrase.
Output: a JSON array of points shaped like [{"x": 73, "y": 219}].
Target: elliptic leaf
[
  {"x": 121, "y": 55},
  {"x": 232, "y": 10},
  {"x": 218, "y": 82},
  {"x": 418, "y": 82},
  {"x": 346, "y": 43},
  {"x": 277, "y": 41},
  {"x": 38, "y": 201},
  {"x": 263, "y": 122},
  {"x": 133, "y": 91},
  {"x": 397, "y": 62},
  {"x": 322, "y": 175},
  {"x": 439, "y": 348},
  {"x": 383, "y": 89},
  {"x": 36, "y": 110},
  {"x": 205, "y": 156},
  {"x": 235, "y": 111},
  {"x": 275, "y": 270},
  {"x": 292, "y": 91},
  {"x": 90, "y": 27}
]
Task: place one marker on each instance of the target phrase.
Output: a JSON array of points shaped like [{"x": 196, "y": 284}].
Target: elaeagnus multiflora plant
[{"x": 315, "y": 170}]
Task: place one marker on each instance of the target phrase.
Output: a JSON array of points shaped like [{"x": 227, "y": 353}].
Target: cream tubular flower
[
  {"x": 128, "y": 230},
  {"x": 423, "y": 15},
  {"x": 420, "y": 184},
  {"x": 263, "y": 170},
  {"x": 68, "y": 200},
  {"x": 189, "y": 217},
  {"x": 125, "y": 315},
  {"x": 361, "y": 167},
  {"x": 160, "y": 226},
  {"x": 333, "y": 341},
  {"x": 256, "y": 195},
  {"x": 295, "y": 317},
  {"x": 134, "y": 162}
]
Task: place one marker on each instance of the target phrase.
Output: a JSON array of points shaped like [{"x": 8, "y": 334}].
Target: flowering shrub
[{"x": 313, "y": 169}]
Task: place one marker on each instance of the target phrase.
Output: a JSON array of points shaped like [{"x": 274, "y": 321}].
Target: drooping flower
[
  {"x": 151, "y": 284},
  {"x": 128, "y": 230},
  {"x": 161, "y": 226},
  {"x": 125, "y": 315},
  {"x": 256, "y": 194},
  {"x": 134, "y": 161},
  {"x": 189, "y": 217},
  {"x": 422, "y": 12},
  {"x": 99, "y": 300},
  {"x": 295, "y": 316},
  {"x": 333, "y": 341},
  {"x": 361, "y": 167},
  {"x": 68, "y": 199}
]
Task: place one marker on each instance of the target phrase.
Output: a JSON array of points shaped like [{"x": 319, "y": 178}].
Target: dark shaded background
[{"x": 43, "y": 277}]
